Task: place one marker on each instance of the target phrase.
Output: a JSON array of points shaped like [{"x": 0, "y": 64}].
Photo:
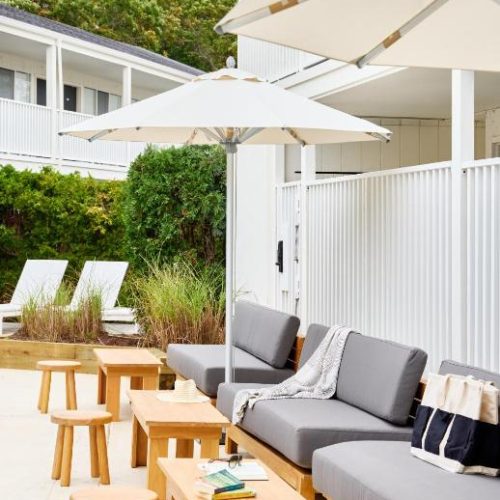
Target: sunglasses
[{"x": 233, "y": 461}]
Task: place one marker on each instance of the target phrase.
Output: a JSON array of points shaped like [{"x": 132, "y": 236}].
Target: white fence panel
[
  {"x": 379, "y": 255},
  {"x": 287, "y": 214},
  {"x": 24, "y": 128},
  {"x": 483, "y": 263},
  {"x": 73, "y": 148}
]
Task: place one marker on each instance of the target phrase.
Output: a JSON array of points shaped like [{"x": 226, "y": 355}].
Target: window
[
  {"x": 97, "y": 102},
  {"x": 70, "y": 93},
  {"x": 15, "y": 85}
]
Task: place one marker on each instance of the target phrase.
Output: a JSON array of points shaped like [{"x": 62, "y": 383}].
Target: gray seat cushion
[
  {"x": 380, "y": 377},
  {"x": 374, "y": 470},
  {"x": 297, "y": 427},
  {"x": 205, "y": 365},
  {"x": 266, "y": 333}
]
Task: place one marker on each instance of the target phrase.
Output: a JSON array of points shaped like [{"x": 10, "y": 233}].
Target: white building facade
[
  {"x": 409, "y": 248},
  {"x": 53, "y": 76}
]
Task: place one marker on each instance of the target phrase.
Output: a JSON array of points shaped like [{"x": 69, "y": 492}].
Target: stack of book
[{"x": 222, "y": 485}]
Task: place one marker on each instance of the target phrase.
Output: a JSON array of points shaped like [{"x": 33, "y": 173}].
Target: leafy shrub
[
  {"x": 175, "y": 206},
  {"x": 180, "y": 304},
  {"x": 52, "y": 215}
]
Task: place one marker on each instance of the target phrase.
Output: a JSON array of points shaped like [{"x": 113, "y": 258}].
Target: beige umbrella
[
  {"x": 455, "y": 34},
  {"x": 228, "y": 107}
]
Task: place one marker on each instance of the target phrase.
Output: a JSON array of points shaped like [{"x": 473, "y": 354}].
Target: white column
[
  {"x": 126, "y": 85},
  {"x": 462, "y": 150},
  {"x": 51, "y": 94},
  {"x": 308, "y": 173}
]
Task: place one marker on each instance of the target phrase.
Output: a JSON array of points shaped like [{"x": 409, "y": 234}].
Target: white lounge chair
[
  {"x": 39, "y": 281},
  {"x": 105, "y": 278}
]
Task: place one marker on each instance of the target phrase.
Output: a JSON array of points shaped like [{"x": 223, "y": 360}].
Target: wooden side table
[
  {"x": 140, "y": 365},
  {"x": 155, "y": 422},
  {"x": 66, "y": 367},
  {"x": 181, "y": 475}
]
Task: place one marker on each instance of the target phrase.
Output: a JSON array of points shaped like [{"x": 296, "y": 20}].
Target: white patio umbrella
[
  {"x": 228, "y": 107},
  {"x": 455, "y": 34}
]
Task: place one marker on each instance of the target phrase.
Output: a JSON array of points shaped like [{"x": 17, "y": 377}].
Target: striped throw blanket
[{"x": 317, "y": 379}]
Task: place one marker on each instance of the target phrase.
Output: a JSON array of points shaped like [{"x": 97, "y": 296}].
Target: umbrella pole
[{"x": 231, "y": 158}]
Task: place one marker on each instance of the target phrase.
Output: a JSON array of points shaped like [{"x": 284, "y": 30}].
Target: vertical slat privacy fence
[
  {"x": 26, "y": 129},
  {"x": 482, "y": 214},
  {"x": 379, "y": 252},
  {"x": 287, "y": 214}
]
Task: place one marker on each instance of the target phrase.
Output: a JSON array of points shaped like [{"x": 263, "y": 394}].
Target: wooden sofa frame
[{"x": 298, "y": 478}]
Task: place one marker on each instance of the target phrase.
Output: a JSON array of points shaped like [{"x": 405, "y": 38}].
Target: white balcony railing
[{"x": 28, "y": 130}]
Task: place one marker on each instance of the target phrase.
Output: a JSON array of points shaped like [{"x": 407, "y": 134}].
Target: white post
[
  {"x": 462, "y": 149},
  {"x": 308, "y": 173},
  {"x": 230, "y": 168},
  {"x": 60, "y": 101},
  {"x": 126, "y": 85},
  {"x": 51, "y": 94}
]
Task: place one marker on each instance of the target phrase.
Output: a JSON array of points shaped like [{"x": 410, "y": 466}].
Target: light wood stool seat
[
  {"x": 95, "y": 421},
  {"x": 114, "y": 493},
  {"x": 66, "y": 367}
]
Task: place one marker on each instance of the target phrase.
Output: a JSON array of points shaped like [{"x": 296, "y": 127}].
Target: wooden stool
[
  {"x": 69, "y": 368},
  {"x": 114, "y": 493},
  {"x": 95, "y": 421}
]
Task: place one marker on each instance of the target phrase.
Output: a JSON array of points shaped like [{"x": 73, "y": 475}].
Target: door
[{"x": 70, "y": 94}]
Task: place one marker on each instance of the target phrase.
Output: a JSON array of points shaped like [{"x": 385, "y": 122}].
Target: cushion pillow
[
  {"x": 266, "y": 333},
  {"x": 380, "y": 377}
]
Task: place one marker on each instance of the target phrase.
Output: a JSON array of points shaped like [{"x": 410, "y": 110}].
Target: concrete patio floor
[{"x": 27, "y": 439}]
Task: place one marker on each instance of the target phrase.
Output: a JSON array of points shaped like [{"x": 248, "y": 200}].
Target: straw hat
[{"x": 184, "y": 392}]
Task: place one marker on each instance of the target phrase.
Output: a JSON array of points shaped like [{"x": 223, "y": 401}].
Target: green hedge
[
  {"x": 174, "y": 206},
  {"x": 50, "y": 215},
  {"x": 171, "y": 207}
]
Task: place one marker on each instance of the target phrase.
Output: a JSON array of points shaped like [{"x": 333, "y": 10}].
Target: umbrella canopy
[
  {"x": 228, "y": 106},
  {"x": 455, "y": 34}
]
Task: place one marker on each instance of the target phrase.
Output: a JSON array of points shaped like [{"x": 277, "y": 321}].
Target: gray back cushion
[
  {"x": 315, "y": 334},
  {"x": 380, "y": 377},
  {"x": 455, "y": 368},
  {"x": 264, "y": 332}
]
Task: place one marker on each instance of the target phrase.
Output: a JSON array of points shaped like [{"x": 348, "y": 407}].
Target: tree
[
  {"x": 175, "y": 206},
  {"x": 180, "y": 29}
]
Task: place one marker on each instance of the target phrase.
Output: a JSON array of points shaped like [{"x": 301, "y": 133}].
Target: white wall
[
  {"x": 255, "y": 222},
  {"x": 414, "y": 142},
  {"x": 70, "y": 76}
]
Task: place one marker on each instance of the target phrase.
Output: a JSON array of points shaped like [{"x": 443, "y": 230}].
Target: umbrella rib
[
  {"x": 210, "y": 135},
  {"x": 398, "y": 34},
  {"x": 100, "y": 134},
  {"x": 294, "y": 135},
  {"x": 256, "y": 15},
  {"x": 191, "y": 137}
]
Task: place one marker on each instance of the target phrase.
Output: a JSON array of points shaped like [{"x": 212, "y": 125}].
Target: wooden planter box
[{"x": 24, "y": 354}]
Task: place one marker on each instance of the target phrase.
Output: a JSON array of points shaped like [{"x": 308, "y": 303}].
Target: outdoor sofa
[
  {"x": 375, "y": 470},
  {"x": 263, "y": 343},
  {"x": 377, "y": 383}
]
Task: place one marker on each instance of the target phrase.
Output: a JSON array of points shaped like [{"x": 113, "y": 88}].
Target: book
[
  {"x": 248, "y": 470},
  {"x": 219, "y": 482},
  {"x": 229, "y": 495}
]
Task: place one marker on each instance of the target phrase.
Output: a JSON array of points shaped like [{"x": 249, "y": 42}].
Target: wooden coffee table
[
  {"x": 140, "y": 365},
  {"x": 181, "y": 475},
  {"x": 155, "y": 422}
]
